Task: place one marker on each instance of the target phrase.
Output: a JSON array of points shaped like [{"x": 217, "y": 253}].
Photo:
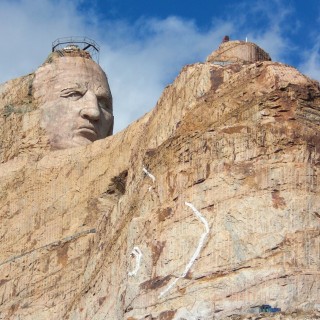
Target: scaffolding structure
[{"x": 77, "y": 43}]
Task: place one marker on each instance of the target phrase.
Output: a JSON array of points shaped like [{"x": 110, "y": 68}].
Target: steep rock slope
[{"x": 207, "y": 207}]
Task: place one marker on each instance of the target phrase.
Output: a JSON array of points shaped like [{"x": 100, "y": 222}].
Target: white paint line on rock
[
  {"x": 136, "y": 252},
  {"x": 169, "y": 287},
  {"x": 196, "y": 253},
  {"x": 152, "y": 177}
]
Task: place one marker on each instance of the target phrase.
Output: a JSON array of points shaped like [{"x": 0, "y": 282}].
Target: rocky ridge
[{"x": 206, "y": 208}]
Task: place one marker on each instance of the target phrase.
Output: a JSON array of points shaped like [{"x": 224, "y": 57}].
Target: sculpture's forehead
[
  {"x": 81, "y": 72},
  {"x": 69, "y": 72}
]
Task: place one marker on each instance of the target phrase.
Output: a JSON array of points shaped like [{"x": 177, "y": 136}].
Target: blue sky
[{"x": 145, "y": 43}]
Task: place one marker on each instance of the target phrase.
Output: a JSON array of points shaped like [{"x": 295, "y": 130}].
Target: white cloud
[
  {"x": 28, "y": 28},
  {"x": 310, "y": 64}
]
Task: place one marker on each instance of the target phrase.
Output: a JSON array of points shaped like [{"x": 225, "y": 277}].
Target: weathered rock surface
[
  {"x": 238, "y": 51},
  {"x": 206, "y": 208}
]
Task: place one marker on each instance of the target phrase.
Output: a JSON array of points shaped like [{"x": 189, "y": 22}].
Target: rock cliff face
[{"x": 206, "y": 208}]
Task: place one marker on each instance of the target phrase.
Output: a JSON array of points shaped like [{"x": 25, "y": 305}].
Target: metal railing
[{"x": 84, "y": 43}]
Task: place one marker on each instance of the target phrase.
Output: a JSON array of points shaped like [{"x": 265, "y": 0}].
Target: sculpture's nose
[{"x": 90, "y": 109}]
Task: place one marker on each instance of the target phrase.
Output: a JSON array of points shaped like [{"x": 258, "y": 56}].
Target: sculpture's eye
[{"x": 72, "y": 94}]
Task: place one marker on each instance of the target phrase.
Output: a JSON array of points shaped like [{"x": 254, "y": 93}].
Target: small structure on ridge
[
  {"x": 237, "y": 52},
  {"x": 75, "y": 47}
]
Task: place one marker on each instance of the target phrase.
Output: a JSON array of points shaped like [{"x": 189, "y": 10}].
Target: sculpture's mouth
[{"x": 88, "y": 131}]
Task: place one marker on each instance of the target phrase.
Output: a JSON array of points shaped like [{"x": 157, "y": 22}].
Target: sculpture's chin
[
  {"x": 83, "y": 139},
  {"x": 76, "y": 141}
]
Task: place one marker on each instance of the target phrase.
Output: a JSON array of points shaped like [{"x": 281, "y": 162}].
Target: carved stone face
[{"x": 75, "y": 100}]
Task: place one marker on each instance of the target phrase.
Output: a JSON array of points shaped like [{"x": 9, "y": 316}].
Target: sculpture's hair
[{"x": 67, "y": 53}]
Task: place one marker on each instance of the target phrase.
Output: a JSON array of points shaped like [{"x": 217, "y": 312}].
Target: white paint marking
[
  {"x": 196, "y": 253},
  {"x": 152, "y": 177},
  {"x": 199, "y": 216},
  {"x": 136, "y": 252}
]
